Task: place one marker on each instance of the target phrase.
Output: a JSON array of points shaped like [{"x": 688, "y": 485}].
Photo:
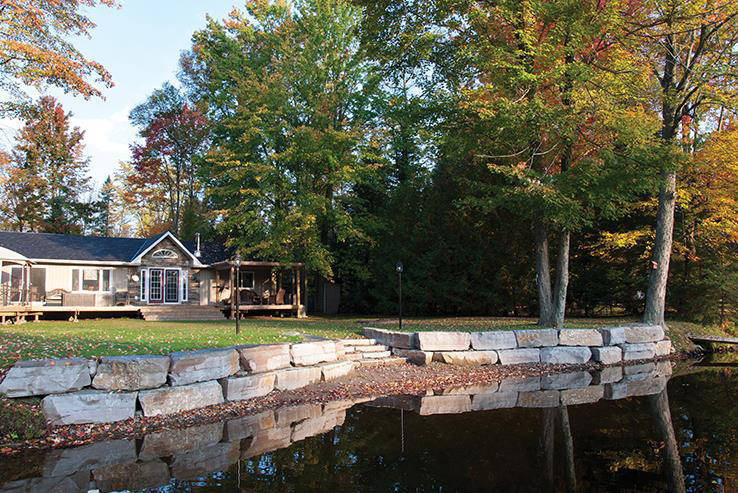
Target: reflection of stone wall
[{"x": 608, "y": 346}]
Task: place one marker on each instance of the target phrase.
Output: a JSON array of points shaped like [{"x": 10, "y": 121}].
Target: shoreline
[{"x": 365, "y": 383}]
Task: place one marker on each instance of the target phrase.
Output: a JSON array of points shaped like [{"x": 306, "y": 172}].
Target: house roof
[{"x": 50, "y": 246}]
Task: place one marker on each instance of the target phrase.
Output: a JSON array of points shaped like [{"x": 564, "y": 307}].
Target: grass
[{"x": 91, "y": 338}]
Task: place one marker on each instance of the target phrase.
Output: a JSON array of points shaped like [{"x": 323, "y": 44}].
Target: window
[
  {"x": 164, "y": 253},
  {"x": 92, "y": 280},
  {"x": 247, "y": 279},
  {"x": 185, "y": 284}
]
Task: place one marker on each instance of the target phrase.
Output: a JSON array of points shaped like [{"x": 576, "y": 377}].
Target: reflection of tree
[
  {"x": 672, "y": 461},
  {"x": 571, "y": 474}
]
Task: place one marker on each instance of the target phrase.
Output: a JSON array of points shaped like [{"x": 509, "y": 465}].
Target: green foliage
[{"x": 20, "y": 421}]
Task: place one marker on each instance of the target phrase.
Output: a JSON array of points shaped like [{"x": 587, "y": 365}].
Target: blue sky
[{"x": 139, "y": 44}]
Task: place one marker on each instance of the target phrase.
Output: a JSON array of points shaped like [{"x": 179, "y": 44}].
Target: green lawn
[{"x": 88, "y": 338}]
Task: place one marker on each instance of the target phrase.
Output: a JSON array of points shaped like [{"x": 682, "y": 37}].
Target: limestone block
[
  {"x": 294, "y": 378},
  {"x": 88, "y": 406},
  {"x": 75, "y": 483},
  {"x": 444, "y": 341},
  {"x": 92, "y": 366},
  {"x": 376, "y": 348},
  {"x": 609, "y": 374},
  {"x": 519, "y": 356},
  {"x": 203, "y": 365},
  {"x": 336, "y": 369},
  {"x": 395, "y": 339},
  {"x": 572, "y": 380},
  {"x": 168, "y": 400},
  {"x": 196, "y": 463},
  {"x": 241, "y": 387},
  {"x": 499, "y": 339},
  {"x": 651, "y": 386},
  {"x": 358, "y": 342},
  {"x": 639, "y": 334},
  {"x": 633, "y": 352},
  {"x": 585, "y": 395},
  {"x": 580, "y": 337},
  {"x": 404, "y": 402},
  {"x": 520, "y": 384},
  {"x": 131, "y": 372},
  {"x": 478, "y": 388},
  {"x": 608, "y": 355},
  {"x": 376, "y": 355},
  {"x": 317, "y": 426},
  {"x": 612, "y": 336},
  {"x": 312, "y": 353},
  {"x": 497, "y": 400},
  {"x": 616, "y": 391},
  {"x": 267, "y": 441},
  {"x": 45, "y": 376},
  {"x": 539, "y": 399},
  {"x": 570, "y": 355},
  {"x": 134, "y": 476},
  {"x": 265, "y": 357},
  {"x": 537, "y": 338},
  {"x": 176, "y": 441},
  {"x": 444, "y": 404},
  {"x": 293, "y": 414},
  {"x": 635, "y": 373},
  {"x": 246, "y": 426},
  {"x": 664, "y": 368},
  {"x": 663, "y": 348},
  {"x": 414, "y": 356},
  {"x": 67, "y": 461},
  {"x": 466, "y": 358},
  {"x": 343, "y": 404}
]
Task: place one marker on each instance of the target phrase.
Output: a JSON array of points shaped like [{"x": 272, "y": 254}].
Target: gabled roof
[{"x": 50, "y": 246}]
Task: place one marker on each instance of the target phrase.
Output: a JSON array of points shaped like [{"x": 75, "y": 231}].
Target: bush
[{"x": 20, "y": 420}]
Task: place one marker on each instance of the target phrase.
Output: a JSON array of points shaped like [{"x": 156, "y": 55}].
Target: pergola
[{"x": 19, "y": 294}]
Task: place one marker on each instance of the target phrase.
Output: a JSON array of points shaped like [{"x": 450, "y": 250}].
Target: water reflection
[{"x": 571, "y": 432}]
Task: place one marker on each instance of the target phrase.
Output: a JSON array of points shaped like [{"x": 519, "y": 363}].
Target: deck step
[{"x": 182, "y": 312}]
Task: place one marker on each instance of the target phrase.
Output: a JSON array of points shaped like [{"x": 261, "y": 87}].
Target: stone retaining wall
[{"x": 612, "y": 345}]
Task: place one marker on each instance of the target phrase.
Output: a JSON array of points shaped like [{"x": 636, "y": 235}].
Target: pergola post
[{"x": 233, "y": 295}]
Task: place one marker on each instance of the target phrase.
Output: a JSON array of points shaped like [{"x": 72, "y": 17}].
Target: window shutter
[{"x": 183, "y": 283}]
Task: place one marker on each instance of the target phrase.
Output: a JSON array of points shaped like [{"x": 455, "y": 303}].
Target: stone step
[
  {"x": 351, "y": 357},
  {"x": 381, "y": 362},
  {"x": 376, "y": 355},
  {"x": 367, "y": 349},
  {"x": 358, "y": 342}
]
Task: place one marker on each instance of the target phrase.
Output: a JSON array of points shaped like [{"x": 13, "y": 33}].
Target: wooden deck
[
  {"x": 711, "y": 340},
  {"x": 248, "y": 308}
]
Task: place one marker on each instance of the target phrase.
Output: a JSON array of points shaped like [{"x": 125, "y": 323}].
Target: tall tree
[{"x": 35, "y": 47}]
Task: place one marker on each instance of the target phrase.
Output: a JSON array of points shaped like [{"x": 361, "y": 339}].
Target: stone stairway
[
  {"x": 365, "y": 352},
  {"x": 181, "y": 312}
]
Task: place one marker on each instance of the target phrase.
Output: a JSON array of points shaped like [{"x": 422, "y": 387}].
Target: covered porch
[{"x": 255, "y": 286}]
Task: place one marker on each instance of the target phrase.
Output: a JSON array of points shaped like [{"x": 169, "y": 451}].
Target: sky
[{"x": 139, "y": 44}]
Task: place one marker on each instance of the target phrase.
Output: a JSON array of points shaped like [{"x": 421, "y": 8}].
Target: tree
[
  {"x": 289, "y": 87},
  {"x": 47, "y": 173},
  {"x": 35, "y": 49}
]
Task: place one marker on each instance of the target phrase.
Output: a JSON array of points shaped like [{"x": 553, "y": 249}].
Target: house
[{"x": 160, "y": 277}]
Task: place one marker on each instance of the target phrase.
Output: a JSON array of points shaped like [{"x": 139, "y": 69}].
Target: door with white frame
[{"x": 163, "y": 285}]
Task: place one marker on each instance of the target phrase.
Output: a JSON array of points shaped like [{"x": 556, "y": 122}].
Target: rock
[
  {"x": 358, "y": 342},
  {"x": 239, "y": 388},
  {"x": 287, "y": 415},
  {"x": 559, "y": 381},
  {"x": 572, "y": 355},
  {"x": 519, "y": 356},
  {"x": 585, "y": 395},
  {"x": 266, "y": 357},
  {"x": 444, "y": 341},
  {"x": 404, "y": 402},
  {"x": 201, "y": 366},
  {"x": 334, "y": 370},
  {"x": 395, "y": 339},
  {"x": 633, "y": 352},
  {"x": 172, "y": 442},
  {"x": 520, "y": 384},
  {"x": 651, "y": 386},
  {"x": 643, "y": 333},
  {"x": 537, "y": 338},
  {"x": 635, "y": 373},
  {"x": 663, "y": 348},
  {"x": 246, "y": 426},
  {"x": 616, "y": 391},
  {"x": 343, "y": 404},
  {"x": 131, "y": 372},
  {"x": 479, "y": 388},
  {"x": 444, "y": 404},
  {"x": 75, "y": 483},
  {"x": 68, "y": 461},
  {"x": 414, "y": 356},
  {"x": 88, "y": 406},
  {"x": 370, "y": 349},
  {"x": 466, "y": 358},
  {"x": 92, "y": 366},
  {"x": 168, "y": 400},
  {"x": 294, "y": 378},
  {"x": 312, "y": 353},
  {"x": 664, "y": 368},
  {"x": 580, "y": 337},
  {"x": 539, "y": 399},
  {"x": 499, "y": 339},
  {"x": 46, "y": 376},
  {"x": 317, "y": 426},
  {"x": 608, "y": 355},
  {"x": 376, "y": 355},
  {"x": 133, "y": 476},
  {"x": 196, "y": 463},
  {"x": 497, "y": 400},
  {"x": 267, "y": 441},
  {"x": 609, "y": 374},
  {"x": 613, "y": 336}
]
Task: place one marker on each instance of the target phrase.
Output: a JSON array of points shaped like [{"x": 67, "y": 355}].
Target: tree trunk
[
  {"x": 570, "y": 469},
  {"x": 672, "y": 461},
  {"x": 562, "y": 279},
  {"x": 543, "y": 275}
]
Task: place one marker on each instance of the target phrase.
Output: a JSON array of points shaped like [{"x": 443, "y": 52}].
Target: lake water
[{"x": 648, "y": 429}]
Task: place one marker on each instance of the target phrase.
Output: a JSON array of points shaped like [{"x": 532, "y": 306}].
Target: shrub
[{"x": 20, "y": 420}]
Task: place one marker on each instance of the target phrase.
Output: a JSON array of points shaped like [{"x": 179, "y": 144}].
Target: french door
[
  {"x": 156, "y": 286},
  {"x": 164, "y": 286},
  {"x": 171, "y": 286}
]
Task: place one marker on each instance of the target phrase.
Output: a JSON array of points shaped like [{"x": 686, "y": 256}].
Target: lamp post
[
  {"x": 237, "y": 265},
  {"x": 399, "y": 268}
]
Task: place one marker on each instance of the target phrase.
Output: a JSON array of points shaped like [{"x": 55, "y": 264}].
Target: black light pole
[
  {"x": 398, "y": 267},
  {"x": 237, "y": 264}
]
